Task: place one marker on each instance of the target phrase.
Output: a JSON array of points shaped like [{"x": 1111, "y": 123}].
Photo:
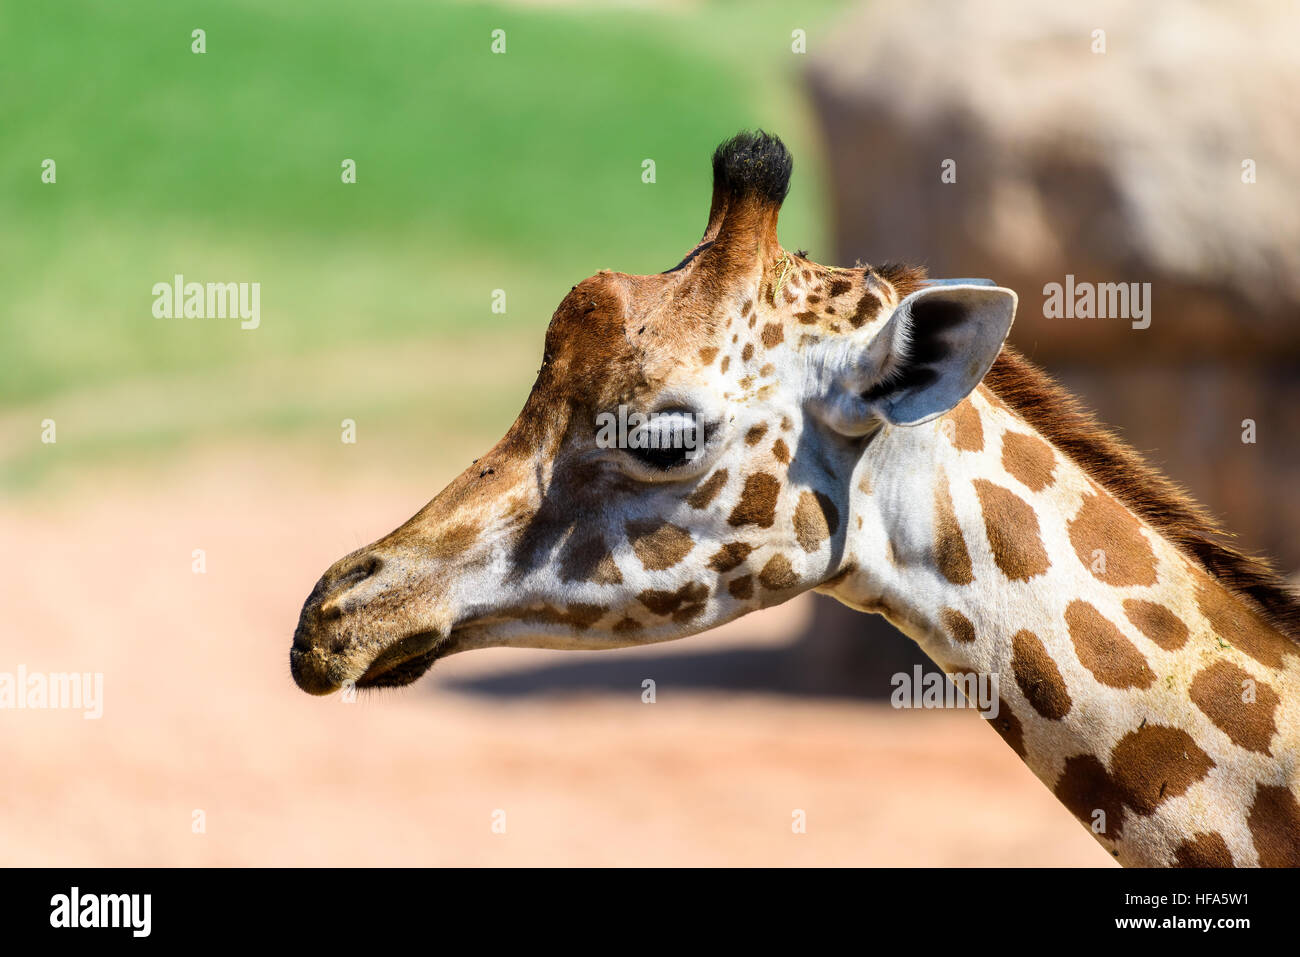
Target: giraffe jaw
[{"x": 406, "y": 661}]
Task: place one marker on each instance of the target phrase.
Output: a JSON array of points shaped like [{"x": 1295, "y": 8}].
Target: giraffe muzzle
[{"x": 353, "y": 629}]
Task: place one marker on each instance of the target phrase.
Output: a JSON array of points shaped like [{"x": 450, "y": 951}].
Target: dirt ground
[{"x": 200, "y": 715}]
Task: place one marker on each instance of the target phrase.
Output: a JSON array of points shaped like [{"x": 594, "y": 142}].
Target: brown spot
[
  {"x": 747, "y": 353},
  {"x": 668, "y": 602},
  {"x": 627, "y": 624},
  {"x": 957, "y": 625},
  {"x": 864, "y": 485},
  {"x": 1008, "y": 726},
  {"x": 773, "y": 335},
  {"x": 1239, "y": 625},
  {"x": 1220, "y": 691},
  {"x": 786, "y": 425},
  {"x": 767, "y": 369},
  {"x": 1028, "y": 459},
  {"x": 815, "y": 520},
  {"x": 726, "y": 363},
  {"x": 839, "y": 287},
  {"x": 576, "y": 616},
  {"x": 781, "y": 451},
  {"x": 866, "y": 309},
  {"x": 757, "y": 505},
  {"x": 747, "y": 308},
  {"x": 1012, "y": 529},
  {"x": 1085, "y": 788},
  {"x": 966, "y": 433},
  {"x": 777, "y": 575},
  {"x": 1155, "y": 763},
  {"x": 950, "y": 552},
  {"x": 688, "y": 612},
  {"x": 1038, "y": 677},
  {"x": 659, "y": 544},
  {"x": 1274, "y": 823},
  {"x": 755, "y": 435},
  {"x": 707, "y": 490},
  {"x": 806, "y": 318},
  {"x": 742, "y": 587},
  {"x": 1204, "y": 850},
  {"x": 1103, "y": 649},
  {"x": 729, "y": 556},
  {"x": 453, "y": 542},
  {"x": 1102, "y": 524},
  {"x": 1157, "y": 622},
  {"x": 708, "y": 354},
  {"x": 588, "y": 559}
]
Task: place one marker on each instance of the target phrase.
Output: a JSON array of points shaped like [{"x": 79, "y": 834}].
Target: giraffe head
[{"x": 685, "y": 455}]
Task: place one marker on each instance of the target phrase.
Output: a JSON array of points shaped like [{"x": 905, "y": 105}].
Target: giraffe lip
[{"x": 402, "y": 663}]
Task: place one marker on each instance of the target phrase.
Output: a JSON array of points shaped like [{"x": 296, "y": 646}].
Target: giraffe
[{"x": 866, "y": 433}]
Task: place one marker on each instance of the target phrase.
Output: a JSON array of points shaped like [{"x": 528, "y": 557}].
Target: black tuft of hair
[{"x": 753, "y": 164}]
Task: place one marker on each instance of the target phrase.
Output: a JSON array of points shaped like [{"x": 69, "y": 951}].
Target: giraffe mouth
[{"x": 406, "y": 661}]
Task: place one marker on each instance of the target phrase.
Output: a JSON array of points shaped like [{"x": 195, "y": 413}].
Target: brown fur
[
  {"x": 1274, "y": 820},
  {"x": 1157, "y": 622},
  {"x": 1039, "y": 679},
  {"x": 1013, "y": 532},
  {"x": 1103, "y": 649},
  {"x": 1220, "y": 692},
  {"x": 967, "y": 433},
  {"x": 957, "y": 625},
  {"x": 1207, "y": 850},
  {"x": 950, "y": 552},
  {"x": 1155, "y": 763}
]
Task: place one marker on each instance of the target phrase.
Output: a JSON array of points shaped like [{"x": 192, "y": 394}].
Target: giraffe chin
[{"x": 405, "y": 662}]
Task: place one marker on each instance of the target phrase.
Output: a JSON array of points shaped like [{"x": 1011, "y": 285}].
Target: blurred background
[{"x": 522, "y": 171}]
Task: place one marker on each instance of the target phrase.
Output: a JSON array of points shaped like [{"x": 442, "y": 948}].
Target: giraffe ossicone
[{"x": 866, "y": 433}]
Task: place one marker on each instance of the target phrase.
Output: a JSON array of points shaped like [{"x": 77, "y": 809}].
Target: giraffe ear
[
  {"x": 932, "y": 351},
  {"x": 935, "y": 349}
]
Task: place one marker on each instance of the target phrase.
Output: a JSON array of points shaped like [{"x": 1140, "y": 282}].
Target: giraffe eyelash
[{"x": 675, "y": 444}]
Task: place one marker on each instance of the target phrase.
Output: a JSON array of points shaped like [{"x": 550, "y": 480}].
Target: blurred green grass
[{"x": 475, "y": 172}]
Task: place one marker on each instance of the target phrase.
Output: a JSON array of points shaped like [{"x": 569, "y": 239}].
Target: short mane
[{"x": 1061, "y": 419}]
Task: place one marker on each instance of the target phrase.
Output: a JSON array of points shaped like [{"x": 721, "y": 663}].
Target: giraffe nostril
[{"x": 364, "y": 567}]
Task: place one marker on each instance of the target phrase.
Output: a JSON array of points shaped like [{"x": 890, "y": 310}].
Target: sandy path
[{"x": 199, "y": 713}]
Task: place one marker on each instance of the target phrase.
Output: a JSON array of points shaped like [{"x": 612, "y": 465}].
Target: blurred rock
[{"x": 1116, "y": 166}]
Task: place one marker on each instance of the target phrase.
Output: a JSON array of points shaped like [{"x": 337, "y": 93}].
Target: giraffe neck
[{"x": 1156, "y": 705}]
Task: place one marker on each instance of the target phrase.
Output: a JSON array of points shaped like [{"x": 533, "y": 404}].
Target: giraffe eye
[
  {"x": 667, "y": 440},
  {"x": 663, "y": 459}
]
